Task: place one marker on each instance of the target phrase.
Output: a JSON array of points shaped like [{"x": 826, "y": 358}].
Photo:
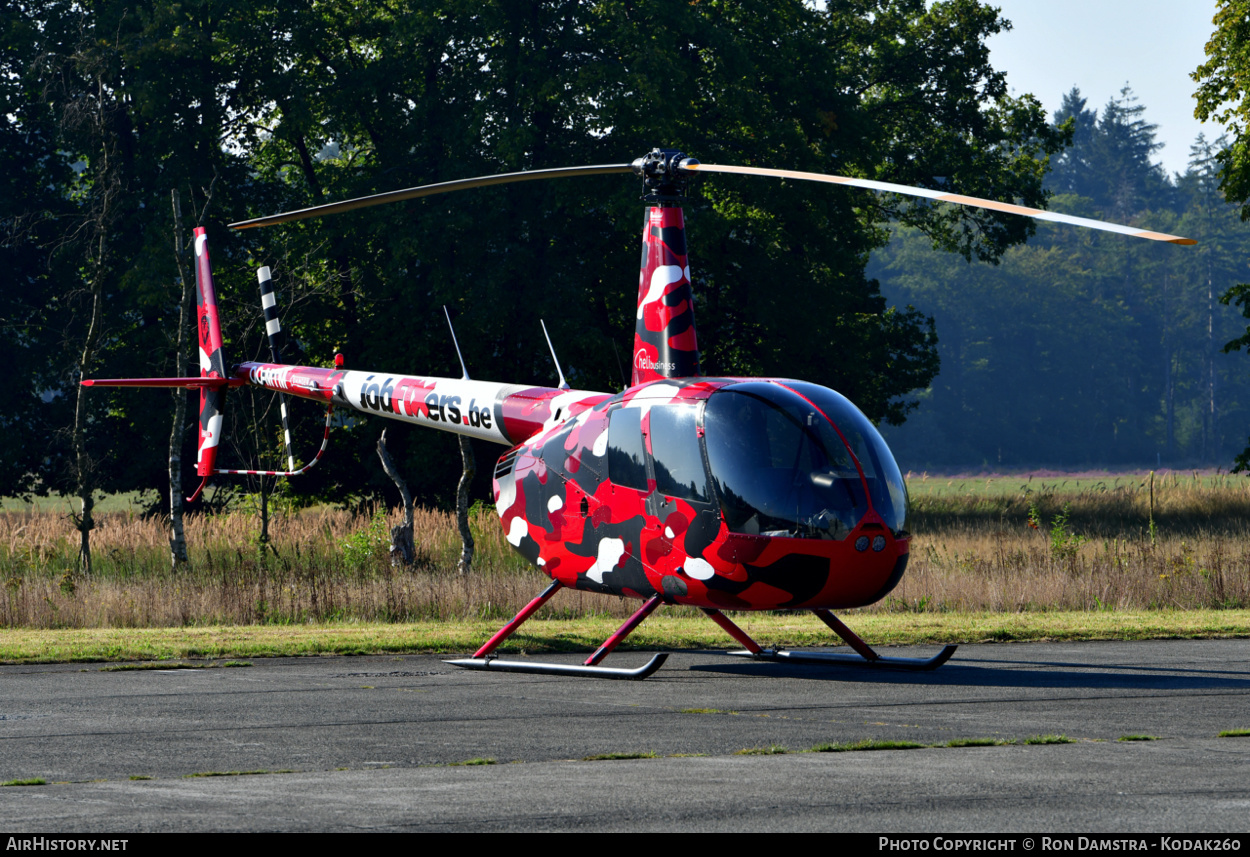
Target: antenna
[
  {"x": 564, "y": 385},
  {"x": 463, "y": 368}
]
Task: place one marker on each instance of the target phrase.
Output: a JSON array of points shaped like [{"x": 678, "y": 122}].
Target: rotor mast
[{"x": 665, "y": 345}]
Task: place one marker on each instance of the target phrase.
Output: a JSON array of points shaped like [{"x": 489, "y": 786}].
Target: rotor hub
[{"x": 663, "y": 179}]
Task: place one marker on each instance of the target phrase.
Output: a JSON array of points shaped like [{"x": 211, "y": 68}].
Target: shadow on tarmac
[{"x": 983, "y": 672}]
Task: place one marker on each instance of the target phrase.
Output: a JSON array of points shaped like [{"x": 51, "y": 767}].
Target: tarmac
[{"x": 709, "y": 743}]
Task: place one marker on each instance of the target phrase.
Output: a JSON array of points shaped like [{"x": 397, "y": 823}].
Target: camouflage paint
[
  {"x": 212, "y": 360},
  {"x": 559, "y": 510},
  {"x": 664, "y": 339}
]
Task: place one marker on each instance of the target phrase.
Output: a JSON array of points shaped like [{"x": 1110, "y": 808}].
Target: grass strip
[
  {"x": 31, "y": 782},
  {"x": 792, "y": 630},
  {"x": 1138, "y": 738},
  {"x": 1235, "y": 733}
]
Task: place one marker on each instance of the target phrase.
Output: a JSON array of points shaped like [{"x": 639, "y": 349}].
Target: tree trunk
[
  {"x": 469, "y": 470},
  {"x": 402, "y": 549},
  {"x": 83, "y": 466},
  {"x": 177, "y": 537}
]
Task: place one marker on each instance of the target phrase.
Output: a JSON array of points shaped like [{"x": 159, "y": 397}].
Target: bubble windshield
[
  {"x": 885, "y": 482},
  {"x": 779, "y": 468}
]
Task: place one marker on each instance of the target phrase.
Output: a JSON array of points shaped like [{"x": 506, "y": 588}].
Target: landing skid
[
  {"x": 562, "y": 669},
  {"x": 483, "y": 660},
  {"x": 865, "y": 656},
  {"x": 846, "y": 659}
]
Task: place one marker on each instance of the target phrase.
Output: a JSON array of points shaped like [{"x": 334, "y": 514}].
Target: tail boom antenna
[
  {"x": 450, "y": 327},
  {"x": 564, "y": 385}
]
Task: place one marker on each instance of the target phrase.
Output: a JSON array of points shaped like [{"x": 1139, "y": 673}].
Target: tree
[
  {"x": 1081, "y": 349},
  {"x": 294, "y": 102},
  {"x": 1224, "y": 95}
]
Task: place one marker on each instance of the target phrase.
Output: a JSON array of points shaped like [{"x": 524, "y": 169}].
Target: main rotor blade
[
  {"x": 959, "y": 199},
  {"x": 431, "y": 190}
]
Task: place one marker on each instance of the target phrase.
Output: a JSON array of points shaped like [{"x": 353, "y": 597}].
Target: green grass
[
  {"x": 1235, "y": 733},
  {"x": 978, "y": 742},
  {"x": 772, "y": 750},
  {"x": 921, "y": 485},
  {"x": 129, "y": 501},
  {"x": 1138, "y": 738},
  {"x": 139, "y": 777},
  {"x": 1050, "y": 739},
  {"x": 31, "y": 782},
  {"x": 663, "y": 631}
]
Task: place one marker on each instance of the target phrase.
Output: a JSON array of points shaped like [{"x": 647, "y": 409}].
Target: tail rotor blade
[
  {"x": 431, "y": 190},
  {"x": 958, "y": 199}
]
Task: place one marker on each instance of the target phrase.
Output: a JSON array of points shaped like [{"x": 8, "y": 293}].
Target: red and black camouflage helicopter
[{"x": 718, "y": 493}]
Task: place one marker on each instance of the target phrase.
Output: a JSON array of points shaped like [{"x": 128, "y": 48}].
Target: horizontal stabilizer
[{"x": 189, "y": 383}]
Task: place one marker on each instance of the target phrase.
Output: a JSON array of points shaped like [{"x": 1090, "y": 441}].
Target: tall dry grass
[
  {"x": 972, "y": 550},
  {"x": 320, "y": 565},
  {"x": 1141, "y": 543}
]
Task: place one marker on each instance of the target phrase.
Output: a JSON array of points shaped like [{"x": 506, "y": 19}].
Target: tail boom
[{"x": 506, "y": 414}]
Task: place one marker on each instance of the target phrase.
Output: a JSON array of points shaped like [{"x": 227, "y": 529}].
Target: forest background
[{"x": 1076, "y": 350}]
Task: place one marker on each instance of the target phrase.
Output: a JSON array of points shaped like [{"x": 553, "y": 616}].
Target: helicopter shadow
[{"x": 991, "y": 672}]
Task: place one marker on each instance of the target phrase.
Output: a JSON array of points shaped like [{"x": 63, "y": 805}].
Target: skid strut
[
  {"x": 483, "y": 660},
  {"x": 864, "y": 655}
]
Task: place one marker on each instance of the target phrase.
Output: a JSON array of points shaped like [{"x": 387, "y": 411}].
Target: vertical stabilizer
[
  {"x": 664, "y": 338},
  {"x": 212, "y": 358}
]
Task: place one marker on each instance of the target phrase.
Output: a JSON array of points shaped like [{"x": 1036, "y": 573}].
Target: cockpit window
[
  {"x": 778, "y": 466},
  {"x": 627, "y": 457},
  {"x": 885, "y": 482},
  {"x": 675, "y": 450}
]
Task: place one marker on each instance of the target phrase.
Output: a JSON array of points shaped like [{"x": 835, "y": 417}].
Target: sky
[{"x": 1099, "y": 45}]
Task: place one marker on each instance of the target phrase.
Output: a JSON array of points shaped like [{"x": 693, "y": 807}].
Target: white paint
[
  {"x": 600, "y": 446},
  {"x": 610, "y": 553},
  {"x": 200, "y": 241},
  {"x": 517, "y": 531},
  {"x": 560, "y": 405},
  {"x": 699, "y": 569},
  {"x": 653, "y": 396},
  {"x": 554, "y": 503},
  {"x": 662, "y": 277},
  {"x": 669, "y": 534},
  {"x": 507, "y": 494}
]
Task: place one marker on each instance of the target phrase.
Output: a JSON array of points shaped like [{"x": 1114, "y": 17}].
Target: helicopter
[{"x": 719, "y": 493}]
